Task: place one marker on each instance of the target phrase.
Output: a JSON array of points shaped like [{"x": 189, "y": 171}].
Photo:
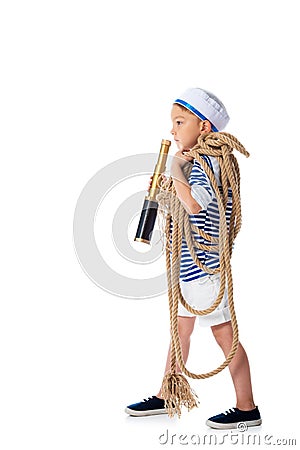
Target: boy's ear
[{"x": 205, "y": 126}]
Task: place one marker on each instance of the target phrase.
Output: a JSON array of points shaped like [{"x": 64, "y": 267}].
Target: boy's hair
[{"x": 183, "y": 108}]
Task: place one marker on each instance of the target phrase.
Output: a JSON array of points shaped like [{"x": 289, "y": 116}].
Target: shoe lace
[
  {"x": 147, "y": 399},
  {"x": 229, "y": 411}
]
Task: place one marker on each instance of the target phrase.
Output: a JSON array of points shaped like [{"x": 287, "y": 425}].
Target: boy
[{"x": 195, "y": 113}]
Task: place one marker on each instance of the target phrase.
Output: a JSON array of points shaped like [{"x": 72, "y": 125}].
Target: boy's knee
[
  {"x": 223, "y": 333},
  {"x": 185, "y": 327}
]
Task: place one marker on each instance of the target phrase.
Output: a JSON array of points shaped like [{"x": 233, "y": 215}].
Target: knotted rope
[{"x": 176, "y": 390}]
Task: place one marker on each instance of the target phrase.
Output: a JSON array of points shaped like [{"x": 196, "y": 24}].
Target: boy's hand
[
  {"x": 179, "y": 160},
  {"x": 150, "y": 181},
  {"x": 181, "y": 157}
]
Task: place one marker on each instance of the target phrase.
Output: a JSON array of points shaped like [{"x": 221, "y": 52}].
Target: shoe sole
[
  {"x": 149, "y": 412},
  {"x": 235, "y": 425}
]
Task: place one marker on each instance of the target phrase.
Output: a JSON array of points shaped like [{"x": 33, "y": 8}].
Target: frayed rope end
[{"x": 177, "y": 392}]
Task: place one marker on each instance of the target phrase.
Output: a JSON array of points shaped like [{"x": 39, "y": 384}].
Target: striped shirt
[{"x": 208, "y": 219}]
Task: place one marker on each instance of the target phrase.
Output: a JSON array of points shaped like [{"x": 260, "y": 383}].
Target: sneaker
[
  {"x": 235, "y": 418},
  {"x": 148, "y": 407}
]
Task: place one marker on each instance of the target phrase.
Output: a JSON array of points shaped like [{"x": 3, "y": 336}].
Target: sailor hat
[{"x": 206, "y": 106}]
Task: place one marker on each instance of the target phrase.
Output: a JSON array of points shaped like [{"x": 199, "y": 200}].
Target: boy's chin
[{"x": 180, "y": 146}]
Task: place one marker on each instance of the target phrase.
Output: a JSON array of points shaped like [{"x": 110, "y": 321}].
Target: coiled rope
[{"x": 176, "y": 390}]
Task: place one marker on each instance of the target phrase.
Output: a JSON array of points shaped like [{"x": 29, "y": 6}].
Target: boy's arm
[{"x": 182, "y": 187}]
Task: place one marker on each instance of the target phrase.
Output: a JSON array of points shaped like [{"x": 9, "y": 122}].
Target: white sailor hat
[{"x": 206, "y": 106}]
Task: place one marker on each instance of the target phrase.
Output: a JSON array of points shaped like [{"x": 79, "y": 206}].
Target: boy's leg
[
  {"x": 185, "y": 329},
  {"x": 155, "y": 404},
  {"x": 239, "y": 366}
]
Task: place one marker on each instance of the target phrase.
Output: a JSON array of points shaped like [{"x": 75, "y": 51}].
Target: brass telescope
[{"x": 149, "y": 211}]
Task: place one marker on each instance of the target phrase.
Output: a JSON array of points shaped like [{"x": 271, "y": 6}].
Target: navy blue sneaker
[
  {"x": 148, "y": 407},
  {"x": 235, "y": 418}
]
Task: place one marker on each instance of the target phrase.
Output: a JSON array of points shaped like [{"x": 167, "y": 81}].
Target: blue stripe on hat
[{"x": 195, "y": 111}]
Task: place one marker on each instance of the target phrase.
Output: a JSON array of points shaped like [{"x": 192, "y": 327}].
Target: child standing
[{"x": 196, "y": 113}]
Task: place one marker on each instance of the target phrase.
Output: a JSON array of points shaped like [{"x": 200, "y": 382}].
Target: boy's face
[{"x": 186, "y": 128}]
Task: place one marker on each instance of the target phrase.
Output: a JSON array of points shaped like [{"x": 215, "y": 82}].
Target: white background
[{"x": 84, "y": 83}]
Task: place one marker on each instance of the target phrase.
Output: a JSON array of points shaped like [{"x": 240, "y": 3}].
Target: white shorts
[{"x": 201, "y": 294}]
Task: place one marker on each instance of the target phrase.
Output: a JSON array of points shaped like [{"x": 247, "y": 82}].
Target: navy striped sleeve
[{"x": 201, "y": 188}]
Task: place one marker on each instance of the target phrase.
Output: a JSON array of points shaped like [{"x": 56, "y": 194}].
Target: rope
[{"x": 176, "y": 390}]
